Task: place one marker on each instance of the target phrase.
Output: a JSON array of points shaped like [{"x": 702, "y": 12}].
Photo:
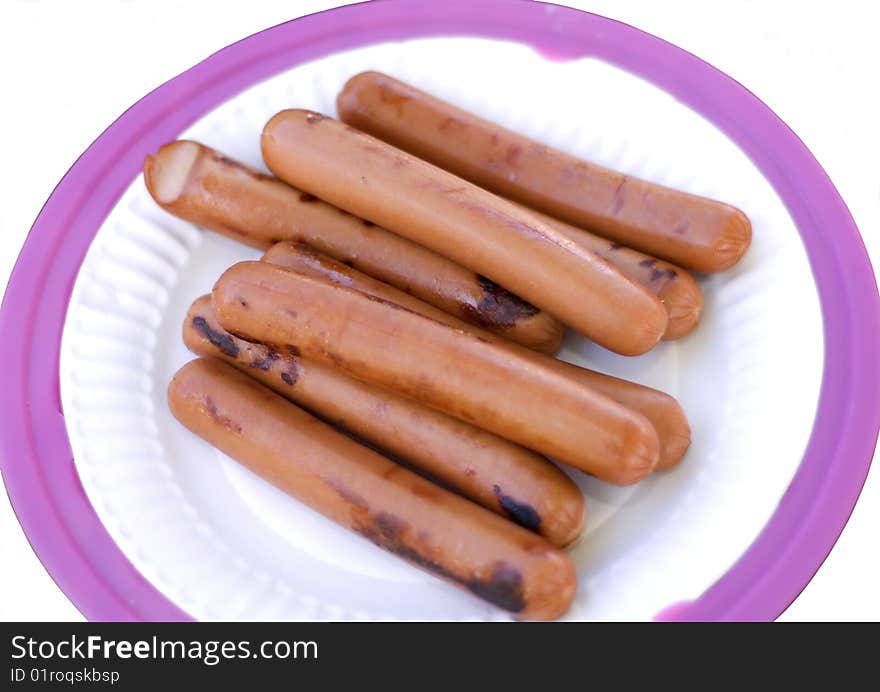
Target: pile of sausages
[{"x": 389, "y": 361}]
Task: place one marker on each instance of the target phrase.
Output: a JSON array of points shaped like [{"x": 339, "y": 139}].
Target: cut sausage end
[{"x": 167, "y": 172}]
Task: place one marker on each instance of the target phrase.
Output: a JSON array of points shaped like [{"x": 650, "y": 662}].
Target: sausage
[
  {"x": 453, "y": 370},
  {"x": 662, "y": 410},
  {"x": 205, "y": 187},
  {"x": 676, "y": 288},
  {"x": 304, "y": 259},
  {"x": 358, "y": 488},
  {"x": 497, "y": 474},
  {"x": 695, "y": 232},
  {"x": 485, "y": 233}
]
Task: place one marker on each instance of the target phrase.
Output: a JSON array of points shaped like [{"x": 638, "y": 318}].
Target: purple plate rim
[{"x": 35, "y": 457}]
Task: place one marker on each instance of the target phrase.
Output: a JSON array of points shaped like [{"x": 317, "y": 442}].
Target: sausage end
[
  {"x": 683, "y": 299},
  {"x": 640, "y": 452},
  {"x": 548, "y": 334},
  {"x": 348, "y": 101},
  {"x": 566, "y": 523},
  {"x": 551, "y": 589},
  {"x": 649, "y": 330},
  {"x": 733, "y": 240},
  {"x": 272, "y": 151},
  {"x": 167, "y": 173},
  {"x": 677, "y": 437}
]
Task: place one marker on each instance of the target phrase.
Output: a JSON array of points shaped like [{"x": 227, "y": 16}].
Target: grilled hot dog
[
  {"x": 692, "y": 231},
  {"x": 660, "y": 409},
  {"x": 207, "y": 188},
  {"x": 454, "y": 370},
  {"x": 485, "y": 233},
  {"x": 487, "y": 469},
  {"x": 394, "y": 508}
]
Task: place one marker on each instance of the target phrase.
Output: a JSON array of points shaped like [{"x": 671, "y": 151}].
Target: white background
[{"x": 69, "y": 69}]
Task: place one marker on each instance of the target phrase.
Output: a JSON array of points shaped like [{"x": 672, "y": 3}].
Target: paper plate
[{"x": 135, "y": 518}]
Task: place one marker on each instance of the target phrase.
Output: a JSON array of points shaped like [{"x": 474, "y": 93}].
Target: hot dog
[
  {"x": 207, "y": 188},
  {"x": 692, "y": 231},
  {"x": 394, "y": 508},
  {"x": 495, "y": 473},
  {"x": 676, "y": 288},
  {"x": 660, "y": 409},
  {"x": 453, "y": 370},
  {"x": 485, "y": 233}
]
